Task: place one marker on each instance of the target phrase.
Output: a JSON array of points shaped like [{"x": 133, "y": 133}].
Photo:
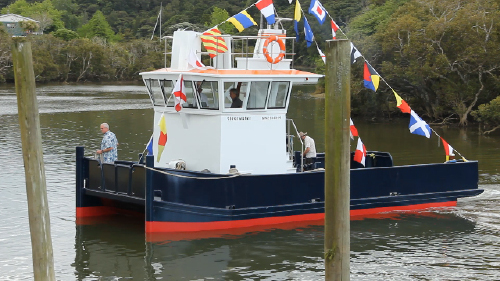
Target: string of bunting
[
  {"x": 371, "y": 81},
  {"x": 215, "y": 44}
]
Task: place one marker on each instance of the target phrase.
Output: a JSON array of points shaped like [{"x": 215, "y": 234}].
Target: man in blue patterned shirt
[{"x": 109, "y": 145}]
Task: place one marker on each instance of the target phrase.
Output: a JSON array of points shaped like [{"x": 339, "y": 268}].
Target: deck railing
[
  {"x": 290, "y": 137},
  {"x": 240, "y": 48}
]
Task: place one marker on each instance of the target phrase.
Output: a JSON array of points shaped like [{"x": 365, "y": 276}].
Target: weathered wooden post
[
  {"x": 31, "y": 139},
  {"x": 337, "y": 161}
]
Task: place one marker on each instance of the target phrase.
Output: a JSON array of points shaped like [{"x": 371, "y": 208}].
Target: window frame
[{"x": 287, "y": 95}]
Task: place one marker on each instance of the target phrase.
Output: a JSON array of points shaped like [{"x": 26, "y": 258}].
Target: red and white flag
[
  {"x": 194, "y": 61},
  {"x": 360, "y": 153},
  {"x": 179, "y": 93},
  {"x": 448, "y": 149},
  {"x": 266, "y": 7},
  {"x": 335, "y": 27},
  {"x": 321, "y": 54},
  {"x": 354, "y": 131}
]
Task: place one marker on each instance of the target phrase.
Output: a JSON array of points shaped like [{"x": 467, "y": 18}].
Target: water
[{"x": 459, "y": 243}]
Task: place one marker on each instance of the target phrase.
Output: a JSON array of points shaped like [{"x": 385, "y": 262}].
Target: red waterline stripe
[
  {"x": 157, "y": 226},
  {"x": 82, "y": 212},
  {"x": 363, "y": 212}
]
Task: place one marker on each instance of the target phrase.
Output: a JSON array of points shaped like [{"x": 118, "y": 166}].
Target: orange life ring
[{"x": 282, "y": 49}]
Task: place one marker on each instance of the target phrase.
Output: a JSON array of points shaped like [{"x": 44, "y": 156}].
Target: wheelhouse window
[
  {"x": 278, "y": 94},
  {"x": 190, "y": 100},
  {"x": 167, "y": 86},
  {"x": 237, "y": 99},
  {"x": 155, "y": 92},
  {"x": 258, "y": 95},
  {"x": 207, "y": 94}
]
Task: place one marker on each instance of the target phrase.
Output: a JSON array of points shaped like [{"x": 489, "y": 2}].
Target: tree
[
  {"x": 220, "y": 15},
  {"x": 29, "y": 26},
  {"x": 44, "y": 12},
  {"x": 5, "y": 54},
  {"x": 97, "y": 27},
  {"x": 489, "y": 114},
  {"x": 65, "y": 34},
  {"x": 443, "y": 55}
]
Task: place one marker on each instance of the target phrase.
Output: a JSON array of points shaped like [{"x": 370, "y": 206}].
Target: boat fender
[
  {"x": 282, "y": 49},
  {"x": 177, "y": 164}
]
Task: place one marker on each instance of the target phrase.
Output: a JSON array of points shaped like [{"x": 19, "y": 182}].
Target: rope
[{"x": 190, "y": 177}]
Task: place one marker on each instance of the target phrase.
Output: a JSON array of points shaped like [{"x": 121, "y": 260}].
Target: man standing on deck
[
  {"x": 310, "y": 148},
  {"x": 109, "y": 145}
]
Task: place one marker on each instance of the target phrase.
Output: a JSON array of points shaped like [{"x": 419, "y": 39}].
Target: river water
[{"x": 460, "y": 243}]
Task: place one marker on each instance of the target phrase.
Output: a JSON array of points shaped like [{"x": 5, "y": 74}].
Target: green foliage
[
  {"x": 5, "y": 54},
  {"x": 441, "y": 56},
  {"x": 65, "y": 34},
  {"x": 48, "y": 16},
  {"x": 98, "y": 26},
  {"x": 220, "y": 15},
  {"x": 488, "y": 113},
  {"x": 29, "y": 25},
  {"x": 70, "y": 13},
  {"x": 374, "y": 19}
]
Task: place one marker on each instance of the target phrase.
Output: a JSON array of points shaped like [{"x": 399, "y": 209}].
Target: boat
[{"x": 216, "y": 167}]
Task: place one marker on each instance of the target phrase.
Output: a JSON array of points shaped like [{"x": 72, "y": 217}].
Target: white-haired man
[
  {"x": 310, "y": 148},
  {"x": 109, "y": 145}
]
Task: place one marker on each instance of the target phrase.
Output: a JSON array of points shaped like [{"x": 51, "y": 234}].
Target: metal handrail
[
  {"x": 301, "y": 142},
  {"x": 234, "y": 39}
]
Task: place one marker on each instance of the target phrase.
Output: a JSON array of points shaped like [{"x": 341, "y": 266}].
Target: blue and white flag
[
  {"x": 149, "y": 147},
  {"x": 418, "y": 126},
  {"x": 308, "y": 32},
  {"x": 318, "y": 11}
]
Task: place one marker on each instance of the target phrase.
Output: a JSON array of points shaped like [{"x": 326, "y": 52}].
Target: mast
[{"x": 161, "y": 8}]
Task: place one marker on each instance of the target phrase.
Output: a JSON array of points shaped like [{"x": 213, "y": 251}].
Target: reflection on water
[
  {"x": 400, "y": 245},
  {"x": 452, "y": 244}
]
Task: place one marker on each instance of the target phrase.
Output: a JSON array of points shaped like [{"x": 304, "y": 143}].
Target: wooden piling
[
  {"x": 31, "y": 139},
  {"x": 337, "y": 160}
]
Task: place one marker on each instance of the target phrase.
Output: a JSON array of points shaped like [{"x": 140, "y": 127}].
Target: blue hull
[{"x": 176, "y": 200}]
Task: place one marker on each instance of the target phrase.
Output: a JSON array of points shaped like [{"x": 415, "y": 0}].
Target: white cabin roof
[{"x": 292, "y": 75}]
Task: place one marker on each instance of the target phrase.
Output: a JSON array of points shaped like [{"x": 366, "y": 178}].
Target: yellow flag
[
  {"x": 398, "y": 98},
  {"x": 298, "y": 14},
  {"x": 162, "y": 139}
]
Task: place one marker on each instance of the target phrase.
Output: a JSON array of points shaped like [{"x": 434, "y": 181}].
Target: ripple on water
[{"x": 459, "y": 243}]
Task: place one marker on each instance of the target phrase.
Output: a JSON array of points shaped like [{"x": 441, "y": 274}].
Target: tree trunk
[{"x": 463, "y": 117}]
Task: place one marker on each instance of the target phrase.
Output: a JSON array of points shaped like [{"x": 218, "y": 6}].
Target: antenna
[
  {"x": 161, "y": 8},
  {"x": 158, "y": 18}
]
